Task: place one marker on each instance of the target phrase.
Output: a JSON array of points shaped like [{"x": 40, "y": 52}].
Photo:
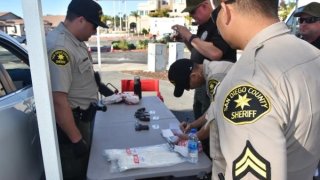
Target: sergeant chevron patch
[
  {"x": 251, "y": 161},
  {"x": 244, "y": 105}
]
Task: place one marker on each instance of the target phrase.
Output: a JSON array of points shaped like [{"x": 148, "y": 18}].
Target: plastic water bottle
[
  {"x": 193, "y": 146},
  {"x": 137, "y": 87}
]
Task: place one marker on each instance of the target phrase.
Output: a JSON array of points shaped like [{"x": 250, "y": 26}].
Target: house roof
[
  {"x": 13, "y": 16},
  {"x": 54, "y": 19},
  {"x": 15, "y": 21},
  {"x": 3, "y": 13}
]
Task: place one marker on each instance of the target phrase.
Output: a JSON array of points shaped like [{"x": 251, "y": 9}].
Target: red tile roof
[{"x": 54, "y": 19}]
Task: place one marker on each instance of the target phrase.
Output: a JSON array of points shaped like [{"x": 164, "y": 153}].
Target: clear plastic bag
[
  {"x": 142, "y": 157},
  {"x": 115, "y": 98},
  {"x": 128, "y": 98}
]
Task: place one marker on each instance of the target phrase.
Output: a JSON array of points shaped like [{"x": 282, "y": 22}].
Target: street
[{"x": 140, "y": 57}]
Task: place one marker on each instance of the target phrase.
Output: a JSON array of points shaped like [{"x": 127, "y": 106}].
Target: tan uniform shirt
[
  {"x": 71, "y": 68},
  {"x": 214, "y": 72},
  {"x": 268, "y": 109}
]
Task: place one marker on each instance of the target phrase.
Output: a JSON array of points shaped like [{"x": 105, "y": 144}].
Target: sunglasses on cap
[{"x": 309, "y": 20}]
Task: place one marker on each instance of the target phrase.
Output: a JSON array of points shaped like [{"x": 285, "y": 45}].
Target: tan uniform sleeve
[
  {"x": 218, "y": 161},
  {"x": 60, "y": 68}
]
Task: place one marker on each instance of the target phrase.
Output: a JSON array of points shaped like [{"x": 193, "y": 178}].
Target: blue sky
[{"x": 59, "y": 7}]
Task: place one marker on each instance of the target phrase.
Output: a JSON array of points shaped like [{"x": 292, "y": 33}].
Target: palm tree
[
  {"x": 285, "y": 9},
  {"x": 136, "y": 15}
]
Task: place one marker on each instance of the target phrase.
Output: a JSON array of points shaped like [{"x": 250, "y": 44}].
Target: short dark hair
[{"x": 267, "y": 8}]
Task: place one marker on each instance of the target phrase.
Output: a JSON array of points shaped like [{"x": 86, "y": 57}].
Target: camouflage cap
[
  {"x": 192, "y": 5},
  {"x": 312, "y": 9}
]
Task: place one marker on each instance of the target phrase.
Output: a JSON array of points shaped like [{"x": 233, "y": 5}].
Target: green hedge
[{"x": 125, "y": 45}]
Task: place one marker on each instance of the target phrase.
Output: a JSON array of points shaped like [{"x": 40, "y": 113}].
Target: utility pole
[
  {"x": 114, "y": 17},
  {"x": 125, "y": 11},
  {"x": 120, "y": 15}
]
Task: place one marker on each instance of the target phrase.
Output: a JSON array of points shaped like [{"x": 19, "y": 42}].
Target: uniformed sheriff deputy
[
  {"x": 73, "y": 84},
  {"x": 267, "y": 107},
  {"x": 309, "y": 20},
  {"x": 185, "y": 75},
  {"x": 206, "y": 44}
]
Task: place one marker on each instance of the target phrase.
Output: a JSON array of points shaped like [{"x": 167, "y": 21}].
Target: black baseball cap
[
  {"x": 89, "y": 9},
  {"x": 179, "y": 75}
]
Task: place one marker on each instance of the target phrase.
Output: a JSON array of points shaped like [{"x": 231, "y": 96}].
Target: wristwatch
[{"x": 192, "y": 37}]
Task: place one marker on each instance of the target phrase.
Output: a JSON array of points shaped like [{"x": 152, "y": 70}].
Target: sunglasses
[{"x": 309, "y": 20}]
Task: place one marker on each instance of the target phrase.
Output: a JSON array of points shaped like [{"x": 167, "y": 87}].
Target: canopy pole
[{"x": 37, "y": 51}]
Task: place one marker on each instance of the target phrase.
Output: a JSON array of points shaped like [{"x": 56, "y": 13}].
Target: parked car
[
  {"x": 20, "y": 150},
  {"x": 21, "y": 39}
]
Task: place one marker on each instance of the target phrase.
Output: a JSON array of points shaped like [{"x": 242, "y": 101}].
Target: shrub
[
  {"x": 142, "y": 44},
  {"x": 131, "y": 46},
  {"x": 115, "y": 45},
  {"x": 123, "y": 45},
  {"x": 144, "y": 31}
]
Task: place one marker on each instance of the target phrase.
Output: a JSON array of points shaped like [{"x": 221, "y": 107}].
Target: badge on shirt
[
  {"x": 204, "y": 35},
  {"x": 60, "y": 57},
  {"x": 245, "y": 105}
]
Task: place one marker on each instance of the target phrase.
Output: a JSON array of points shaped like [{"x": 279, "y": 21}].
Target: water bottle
[
  {"x": 193, "y": 146},
  {"x": 137, "y": 87}
]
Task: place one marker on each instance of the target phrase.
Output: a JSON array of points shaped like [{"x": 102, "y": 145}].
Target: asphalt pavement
[{"x": 136, "y": 57}]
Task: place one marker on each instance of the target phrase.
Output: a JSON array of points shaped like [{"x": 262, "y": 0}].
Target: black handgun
[
  {"x": 103, "y": 88},
  {"x": 140, "y": 127}
]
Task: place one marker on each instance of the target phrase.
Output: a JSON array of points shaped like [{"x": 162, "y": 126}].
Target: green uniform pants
[{"x": 75, "y": 167}]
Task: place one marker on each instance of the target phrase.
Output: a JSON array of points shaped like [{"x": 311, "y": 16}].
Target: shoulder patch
[
  {"x": 60, "y": 57},
  {"x": 245, "y": 105},
  {"x": 212, "y": 83},
  {"x": 251, "y": 161}
]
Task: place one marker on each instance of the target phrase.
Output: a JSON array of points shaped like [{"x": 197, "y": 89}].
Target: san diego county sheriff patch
[
  {"x": 245, "y": 105},
  {"x": 60, "y": 57}
]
